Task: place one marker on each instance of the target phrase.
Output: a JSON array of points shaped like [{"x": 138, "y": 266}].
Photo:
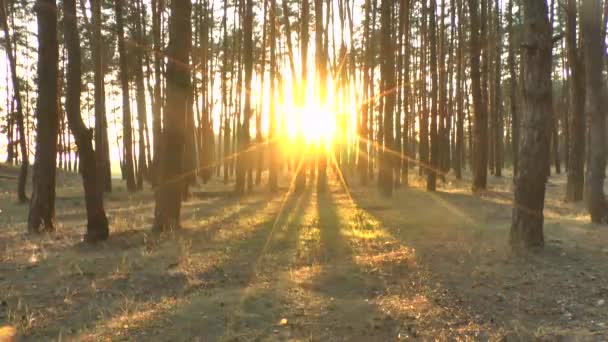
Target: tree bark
[
  {"x": 22, "y": 197},
  {"x": 385, "y": 175},
  {"x": 126, "y": 101},
  {"x": 527, "y": 219},
  {"x": 431, "y": 176},
  {"x": 102, "y": 147},
  {"x": 170, "y": 188},
  {"x": 576, "y": 159},
  {"x": 243, "y": 161},
  {"x": 513, "y": 90},
  {"x": 142, "y": 112},
  {"x": 593, "y": 49},
  {"x": 97, "y": 222},
  {"x": 42, "y": 203},
  {"x": 480, "y": 147}
]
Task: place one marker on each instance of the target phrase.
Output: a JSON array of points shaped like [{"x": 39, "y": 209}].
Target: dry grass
[{"x": 304, "y": 267}]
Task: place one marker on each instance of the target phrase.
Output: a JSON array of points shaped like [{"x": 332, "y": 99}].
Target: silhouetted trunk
[
  {"x": 513, "y": 90},
  {"x": 243, "y": 163},
  {"x": 321, "y": 66},
  {"x": 170, "y": 188},
  {"x": 431, "y": 176},
  {"x": 304, "y": 39},
  {"x": 459, "y": 156},
  {"x": 157, "y": 9},
  {"x": 126, "y": 102},
  {"x": 17, "y": 94},
  {"x": 272, "y": 129},
  {"x": 593, "y": 49},
  {"x": 385, "y": 175},
  {"x": 364, "y": 150},
  {"x": 142, "y": 112},
  {"x": 576, "y": 159},
  {"x": 102, "y": 147},
  {"x": 97, "y": 223},
  {"x": 42, "y": 203},
  {"x": 498, "y": 110},
  {"x": 480, "y": 147},
  {"x": 527, "y": 219}
]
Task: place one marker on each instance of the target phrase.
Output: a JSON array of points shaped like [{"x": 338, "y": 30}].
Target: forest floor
[{"x": 343, "y": 265}]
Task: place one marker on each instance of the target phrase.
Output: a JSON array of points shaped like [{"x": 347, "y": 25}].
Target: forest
[{"x": 303, "y": 170}]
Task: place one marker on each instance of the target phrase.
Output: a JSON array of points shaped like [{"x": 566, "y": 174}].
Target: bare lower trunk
[
  {"x": 594, "y": 48},
  {"x": 170, "y": 188},
  {"x": 97, "y": 223},
  {"x": 527, "y": 219},
  {"x": 42, "y": 203}
]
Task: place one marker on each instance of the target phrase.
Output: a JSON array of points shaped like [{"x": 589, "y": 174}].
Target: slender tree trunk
[
  {"x": 431, "y": 180},
  {"x": 243, "y": 162},
  {"x": 498, "y": 110},
  {"x": 593, "y": 49},
  {"x": 513, "y": 90},
  {"x": 273, "y": 181},
  {"x": 480, "y": 152},
  {"x": 304, "y": 39},
  {"x": 576, "y": 160},
  {"x": 458, "y": 156},
  {"x": 42, "y": 203},
  {"x": 321, "y": 69},
  {"x": 170, "y": 189},
  {"x": 102, "y": 145},
  {"x": 407, "y": 95},
  {"x": 126, "y": 103},
  {"x": 385, "y": 175},
  {"x": 142, "y": 113},
  {"x": 97, "y": 223},
  {"x": 364, "y": 150},
  {"x": 20, "y": 120},
  {"x": 527, "y": 220}
]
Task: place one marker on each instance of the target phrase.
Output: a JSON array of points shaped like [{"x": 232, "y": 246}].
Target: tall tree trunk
[
  {"x": 243, "y": 163},
  {"x": 126, "y": 102},
  {"x": 385, "y": 175},
  {"x": 498, "y": 110},
  {"x": 458, "y": 157},
  {"x": 142, "y": 113},
  {"x": 102, "y": 145},
  {"x": 304, "y": 39},
  {"x": 527, "y": 219},
  {"x": 170, "y": 189},
  {"x": 513, "y": 90},
  {"x": 157, "y": 10},
  {"x": 424, "y": 113},
  {"x": 258, "y": 117},
  {"x": 97, "y": 223},
  {"x": 42, "y": 203},
  {"x": 593, "y": 49},
  {"x": 273, "y": 181},
  {"x": 321, "y": 70},
  {"x": 480, "y": 147},
  {"x": 407, "y": 95},
  {"x": 364, "y": 150},
  {"x": 431, "y": 180},
  {"x": 17, "y": 94},
  {"x": 576, "y": 160}
]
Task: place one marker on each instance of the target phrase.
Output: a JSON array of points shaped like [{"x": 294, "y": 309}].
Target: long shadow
[
  {"x": 461, "y": 242},
  {"x": 350, "y": 291},
  {"x": 101, "y": 278},
  {"x": 227, "y": 296}
]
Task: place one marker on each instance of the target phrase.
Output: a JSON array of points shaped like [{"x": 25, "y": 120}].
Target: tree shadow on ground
[
  {"x": 233, "y": 296},
  {"x": 72, "y": 288},
  {"x": 461, "y": 242}
]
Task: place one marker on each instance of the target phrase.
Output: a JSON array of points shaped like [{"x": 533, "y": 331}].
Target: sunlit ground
[{"x": 345, "y": 264}]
